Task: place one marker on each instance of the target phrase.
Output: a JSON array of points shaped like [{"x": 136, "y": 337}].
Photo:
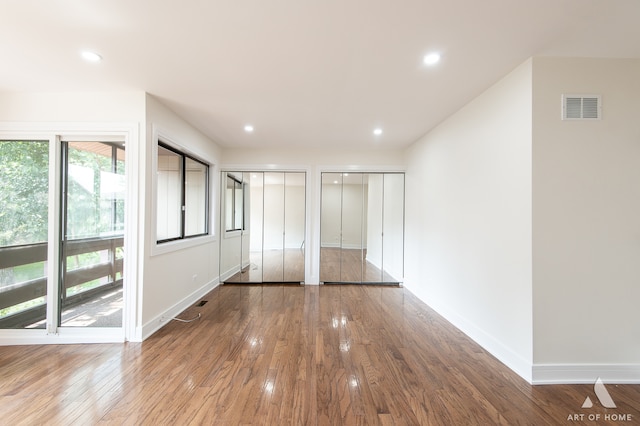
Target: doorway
[
  {"x": 75, "y": 279},
  {"x": 92, "y": 234}
]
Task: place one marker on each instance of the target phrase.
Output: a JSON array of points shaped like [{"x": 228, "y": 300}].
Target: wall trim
[
  {"x": 554, "y": 374},
  {"x": 159, "y": 321},
  {"x": 66, "y": 336},
  {"x": 492, "y": 345}
]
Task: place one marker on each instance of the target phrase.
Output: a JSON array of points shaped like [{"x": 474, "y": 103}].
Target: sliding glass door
[
  {"x": 362, "y": 228},
  {"x": 24, "y": 211},
  {"x": 87, "y": 269},
  {"x": 92, "y": 246},
  {"x": 263, "y": 239}
]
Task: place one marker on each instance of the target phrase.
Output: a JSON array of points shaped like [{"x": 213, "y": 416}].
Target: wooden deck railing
[{"x": 21, "y": 292}]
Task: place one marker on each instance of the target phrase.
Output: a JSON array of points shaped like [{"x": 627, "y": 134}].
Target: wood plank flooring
[{"x": 299, "y": 355}]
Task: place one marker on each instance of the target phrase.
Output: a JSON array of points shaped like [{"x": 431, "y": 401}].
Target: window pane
[
  {"x": 93, "y": 214},
  {"x": 94, "y": 191},
  {"x": 195, "y": 198},
  {"x": 24, "y": 187},
  {"x": 169, "y": 204}
]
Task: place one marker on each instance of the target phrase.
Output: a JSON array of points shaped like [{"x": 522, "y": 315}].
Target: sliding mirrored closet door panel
[
  {"x": 294, "y": 226},
  {"x": 362, "y": 228},
  {"x": 253, "y": 235},
  {"x": 231, "y": 226},
  {"x": 264, "y": 217},
  {"x": 393, "y": 228},
  {"x": 240, "y": 246},
  {"x": 330, "y": 227},
  {"x": 353, "y": 242},
  {"x": 373, "y": 206},
  {"x": 273, "y": 227}
]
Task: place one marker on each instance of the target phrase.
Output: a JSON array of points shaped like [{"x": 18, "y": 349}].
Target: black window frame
[{"x": 183, "y": 181}]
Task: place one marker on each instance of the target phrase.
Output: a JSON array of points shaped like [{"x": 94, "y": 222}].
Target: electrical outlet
[{"x": 195, "y": 277}]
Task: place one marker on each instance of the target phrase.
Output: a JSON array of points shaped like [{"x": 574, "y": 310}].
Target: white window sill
[{"x": 177, "y": 245}]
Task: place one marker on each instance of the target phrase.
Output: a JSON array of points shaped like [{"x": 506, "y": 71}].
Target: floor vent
[
  {"x": 581, "y": 107},
  {"x": 202, "y": 303}
]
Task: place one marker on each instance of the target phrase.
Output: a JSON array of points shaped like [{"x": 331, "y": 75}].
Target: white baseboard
[
  {"x": 552, "y": 374},
  {"x": 161, "y": 320},
  {"x": 496, "y": 348},
  {"x": 66, "y": 336}
]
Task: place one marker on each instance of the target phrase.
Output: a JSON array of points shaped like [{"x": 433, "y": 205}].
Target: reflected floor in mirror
[
  {"x": 272, "y": 266},
  {"x": 336, "y": 265},
  {"x": 346, "y": 265}
]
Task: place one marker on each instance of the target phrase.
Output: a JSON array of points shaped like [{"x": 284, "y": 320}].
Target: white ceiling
[{"x": 321, "y": 73}]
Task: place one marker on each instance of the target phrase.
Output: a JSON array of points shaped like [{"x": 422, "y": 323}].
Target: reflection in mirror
[
  {"x": 253, "y": 216},
  {"x": 264, "y": 237},
  {"x": 393, "y": 228},
  {"x": 374, "y": 212},
  {"x": 273, "y": 245},
  {"x": 294, "y": 226},
  {"x": 353, "y": 219},
  {"x": 362, "y": 227},
  {"x": 231, "y": 206},
  {"x": 330, "y": 227}
]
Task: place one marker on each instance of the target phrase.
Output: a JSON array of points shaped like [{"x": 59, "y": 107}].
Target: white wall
[
  {"x": 586, "y": 222},
  {"x": 468, "y": 219},
  {"x": 175, "y": 275},
  {"x": 59, "y": 108}
]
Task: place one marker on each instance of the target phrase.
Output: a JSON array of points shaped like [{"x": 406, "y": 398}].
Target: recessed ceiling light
[
  {"x": 377, "y": 131},
  {"x": 91, "y": 56},
  {"x": 248, "y": 128},
  {"x": 431, "y": 59}
]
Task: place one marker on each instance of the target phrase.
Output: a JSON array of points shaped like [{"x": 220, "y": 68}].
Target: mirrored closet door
[
  {"x": 264, "y": 217},
  {"x": 362, "y": 228}
]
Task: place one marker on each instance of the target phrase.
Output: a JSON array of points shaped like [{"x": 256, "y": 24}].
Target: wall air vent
[{"x": 581, "y": 107}]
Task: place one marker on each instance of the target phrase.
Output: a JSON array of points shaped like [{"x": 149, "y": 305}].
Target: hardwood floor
[{"x": 279, "y": 355}]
